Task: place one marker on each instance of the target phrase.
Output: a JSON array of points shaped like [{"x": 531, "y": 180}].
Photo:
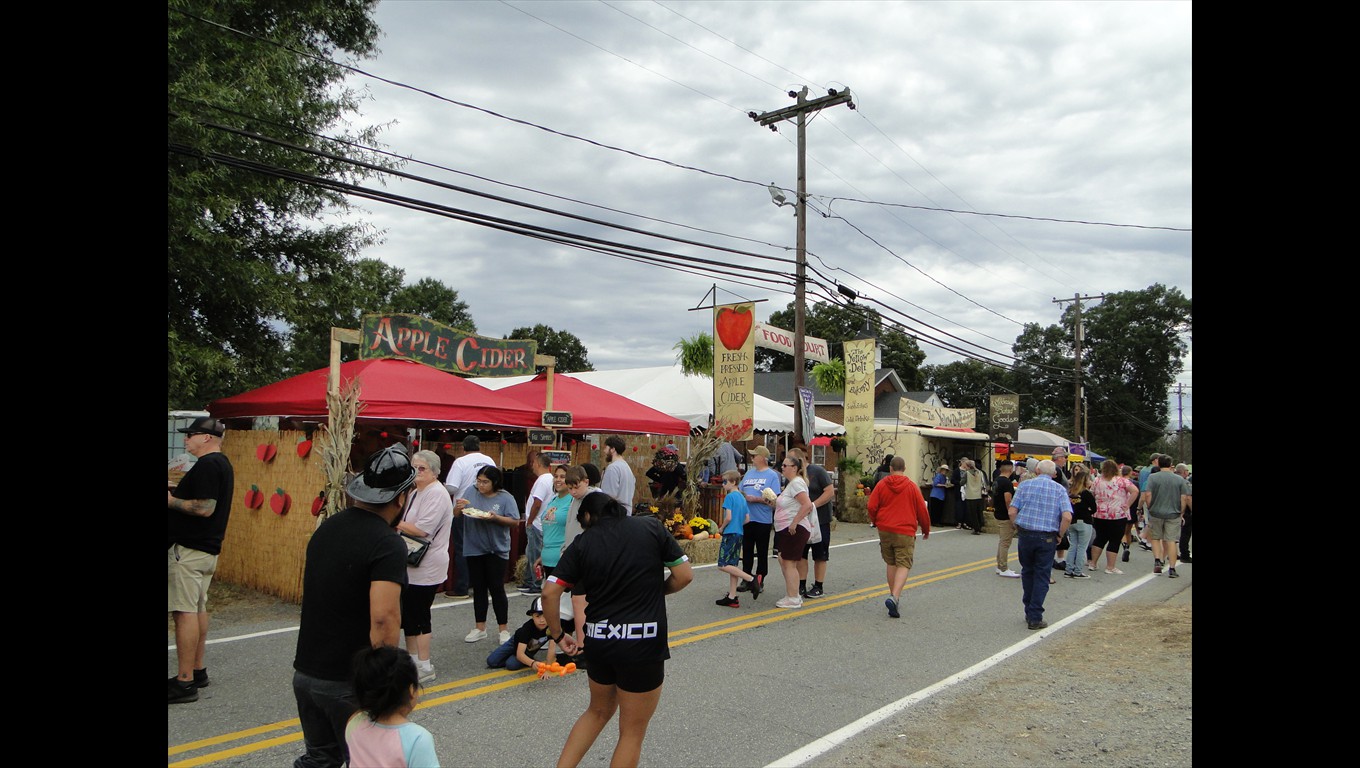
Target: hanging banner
[
  {"x": 1005, "y": 418},
  {"x": 911, "y": 412},
  {"x": 440, "y": 346},
  {"x": 809, "y": 414},
  {"x": 770, "y": 337},
  {"x": 859, "y": 395},
  {"x": 734, "y": 357}
]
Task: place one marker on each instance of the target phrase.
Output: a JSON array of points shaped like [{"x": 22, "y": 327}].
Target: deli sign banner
[
  {"x": 440, "y": 346},
  {"x": 911, "y": 412},
  {"x": 770, "y": 337}
]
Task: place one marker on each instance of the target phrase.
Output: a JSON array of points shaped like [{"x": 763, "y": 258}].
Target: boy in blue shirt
[{"x": 734, "y": 516}]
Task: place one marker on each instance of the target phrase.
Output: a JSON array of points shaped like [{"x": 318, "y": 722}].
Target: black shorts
[{"x": 633, "y": 678}]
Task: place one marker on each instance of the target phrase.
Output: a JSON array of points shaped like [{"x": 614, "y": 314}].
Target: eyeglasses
[
  {"x": 795, "y": 466},
  {"x": 422, "y": 469}
]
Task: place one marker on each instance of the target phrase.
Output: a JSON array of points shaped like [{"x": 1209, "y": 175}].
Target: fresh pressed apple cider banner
[{"x": 734, "y": 357}]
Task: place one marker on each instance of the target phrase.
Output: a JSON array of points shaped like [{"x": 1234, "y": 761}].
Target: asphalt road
[{"x": 751, "y": 686}]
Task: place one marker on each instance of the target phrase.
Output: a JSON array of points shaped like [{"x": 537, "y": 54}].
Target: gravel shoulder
[{"x": 1111, "y": 690}]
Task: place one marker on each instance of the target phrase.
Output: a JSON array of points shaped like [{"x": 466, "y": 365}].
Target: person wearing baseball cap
[
  {"x": 351, "y": 599},
  {"x": 755, "y": 541},
  {"x": 532, "y": 636},
  {"x": 198, "y": 508}
]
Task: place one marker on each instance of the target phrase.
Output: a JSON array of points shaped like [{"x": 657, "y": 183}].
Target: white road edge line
[{"x": 841, "y": 735}]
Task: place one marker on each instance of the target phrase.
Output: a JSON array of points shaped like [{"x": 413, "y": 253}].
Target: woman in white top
[
  {"x": 792, "y": 527},
  {"x": 428, "y": 515}
]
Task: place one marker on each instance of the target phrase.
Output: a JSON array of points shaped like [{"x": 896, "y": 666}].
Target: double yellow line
[{"x": 502, "y": 679}]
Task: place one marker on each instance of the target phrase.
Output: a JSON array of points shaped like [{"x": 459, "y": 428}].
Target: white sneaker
[
  {"x": 426, "y": 673},
  {"x": 505, "y": 635},
  {"x": 1008, "y": 573},
  {"x": 789, "y": 602},
  {"x": 475, "y": 635}
]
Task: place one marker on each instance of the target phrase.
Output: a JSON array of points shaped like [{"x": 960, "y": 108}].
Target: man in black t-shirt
[
  {"x": 1002, "y": 493},
  {"x": 198, "y": 508},
  {"x": 351, "y": 599}
]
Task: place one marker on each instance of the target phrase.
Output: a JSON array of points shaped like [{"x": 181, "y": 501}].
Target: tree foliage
[
  {"x": 838, "y": 324},
  {"x": 242, "y": 244},
  {"x": 1134, "y": 346},
  {"x": 571, "y": 354}
]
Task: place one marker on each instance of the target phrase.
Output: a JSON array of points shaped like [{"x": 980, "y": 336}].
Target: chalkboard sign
[
  {"x": 542, "y": 437},
  {"x": 557, "y": 457},
  {"x": 557, "y": 418}
]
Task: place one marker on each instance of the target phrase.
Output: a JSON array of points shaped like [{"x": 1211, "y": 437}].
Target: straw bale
[{"x": 263, "y": 550}]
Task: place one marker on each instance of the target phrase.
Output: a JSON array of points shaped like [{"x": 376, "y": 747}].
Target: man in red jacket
[{"x": 898, "y": 509}]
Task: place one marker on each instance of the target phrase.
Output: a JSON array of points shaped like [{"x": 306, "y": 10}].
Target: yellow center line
[{"x": 521, "y": 677}]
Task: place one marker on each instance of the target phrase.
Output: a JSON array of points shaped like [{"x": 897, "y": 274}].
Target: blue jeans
[
  {"x": 504, "y": 655},
  {"x": 533, "y": 548},
  {"x": 324, "y": 706},
  {"x": 1036, "y": 549},
  {"x": 1079, "y": 536}
]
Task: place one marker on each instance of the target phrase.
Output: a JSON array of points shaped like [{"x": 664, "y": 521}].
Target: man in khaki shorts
[
  {"x": 897, "y": 508},
  {"x": 198, "y": 509},
  {"x": 1166, "y": 497}
]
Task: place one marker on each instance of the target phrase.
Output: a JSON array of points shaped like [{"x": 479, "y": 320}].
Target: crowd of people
[{"x": 363, "y": 591}]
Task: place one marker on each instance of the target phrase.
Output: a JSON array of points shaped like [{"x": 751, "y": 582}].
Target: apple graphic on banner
[{"x": 734, "y": 325}]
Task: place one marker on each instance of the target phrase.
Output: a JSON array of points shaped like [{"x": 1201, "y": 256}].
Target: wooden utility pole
[
  {"x": 1078, "y": 433},
  {"x": 768, "y": 119}
]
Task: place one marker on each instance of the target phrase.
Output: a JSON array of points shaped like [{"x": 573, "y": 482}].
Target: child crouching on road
[
  {"x": 734, "y": 516},
  {"x": 518, "y": 652}
]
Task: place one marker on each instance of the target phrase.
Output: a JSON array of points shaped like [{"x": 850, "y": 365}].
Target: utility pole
[
  {"x": 1079, "y": 433},
  {"x": 768, "y": 119},
  {"x": 1180, "y": 423}
]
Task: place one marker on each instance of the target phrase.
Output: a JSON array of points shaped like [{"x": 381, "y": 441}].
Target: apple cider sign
[
  {"x": 448, "y": 349},
  {"x": 734, "y": 357}
]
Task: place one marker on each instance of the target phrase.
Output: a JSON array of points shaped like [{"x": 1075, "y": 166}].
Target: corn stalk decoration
[
  {"x": 336, "y": 440},
  {"x": 702, "y": 448}
]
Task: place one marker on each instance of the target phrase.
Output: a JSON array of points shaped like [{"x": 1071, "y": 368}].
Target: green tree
[
  {"x": 240, "y": 242},
  {"x": 430, "y": 298},
  {"x": 1133, "y": 348},
  {"x": 838, "y": 324},
  {"x": 695, "y": 354},
  {"x": 571, "y": 354}
]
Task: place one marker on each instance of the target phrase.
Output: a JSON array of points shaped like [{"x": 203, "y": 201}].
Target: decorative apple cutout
[
  {"x": 734, "y": 325},
  {"x": 254, "y": 498},
  {"x": 318, "y": 503},
  {"x": 304, "y": 447},
  {"x": 280, "y": 502},
  {"x": 265, "y": 452}
]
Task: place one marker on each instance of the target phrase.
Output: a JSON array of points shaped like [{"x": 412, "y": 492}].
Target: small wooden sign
[
  {"x": 542, "y": 437},
  {"x": 557, "y": 418}
]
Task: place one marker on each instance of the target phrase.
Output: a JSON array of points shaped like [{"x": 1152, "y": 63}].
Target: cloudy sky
[{"x": 1068, "y": 121}]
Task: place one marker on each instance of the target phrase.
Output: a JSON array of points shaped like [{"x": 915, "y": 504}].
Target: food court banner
[
  {"x": 859, "y": 394},
  {"x": 770, "y": 337},
  {"x": 734, "y": 358},
  {"x": 440, "y": 346},
  {"x": 911, "y": 412}
]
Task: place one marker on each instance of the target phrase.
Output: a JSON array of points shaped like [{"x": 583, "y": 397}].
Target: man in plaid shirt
[{"x": 1041, "y": 512}]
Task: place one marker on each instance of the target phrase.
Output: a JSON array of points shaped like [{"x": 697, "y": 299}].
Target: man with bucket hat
[
  {"x": 199, "y": 506},
  {"x": 351, "y": 599}
]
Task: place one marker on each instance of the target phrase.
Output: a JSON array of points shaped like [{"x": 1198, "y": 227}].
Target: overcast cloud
[{"x": 1052, "y": 110}]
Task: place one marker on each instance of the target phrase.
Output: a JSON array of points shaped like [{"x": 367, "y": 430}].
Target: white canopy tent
[{"x": 673, "y": 392}]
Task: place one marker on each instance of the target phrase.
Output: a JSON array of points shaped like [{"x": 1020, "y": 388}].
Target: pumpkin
[{"x": 683, "y": 532}]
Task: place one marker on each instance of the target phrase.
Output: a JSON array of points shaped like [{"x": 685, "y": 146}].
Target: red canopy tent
[
  {"x": 594, "y": 409},
  {"x": 390, "y": 388}
]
